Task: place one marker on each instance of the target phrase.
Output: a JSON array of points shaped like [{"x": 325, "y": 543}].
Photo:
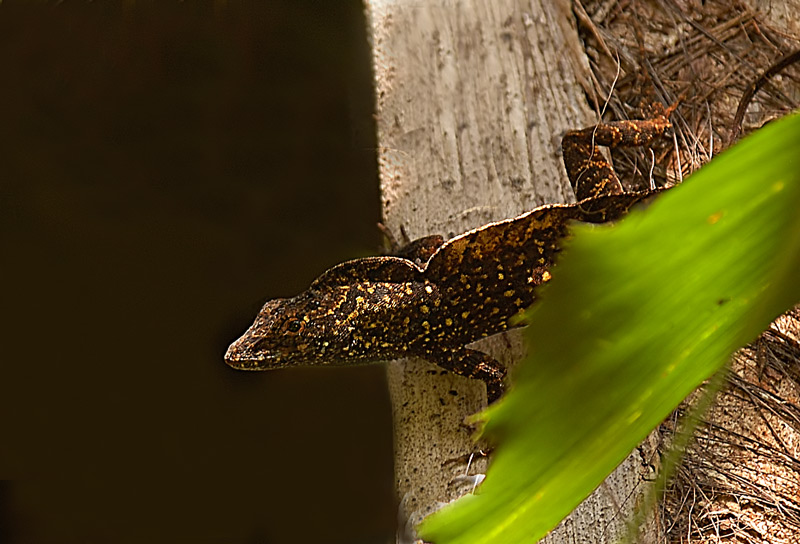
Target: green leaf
[{"x": 636, "y": 316}]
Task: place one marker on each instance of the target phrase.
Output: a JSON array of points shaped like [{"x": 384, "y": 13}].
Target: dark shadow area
[{"x": 166, "y": 167}]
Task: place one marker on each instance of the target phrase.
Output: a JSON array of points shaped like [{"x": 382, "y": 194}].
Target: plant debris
[{"x": 729, "y": 67}]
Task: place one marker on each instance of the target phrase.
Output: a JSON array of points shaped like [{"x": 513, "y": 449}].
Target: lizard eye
[{"x": 294, "y": 326}]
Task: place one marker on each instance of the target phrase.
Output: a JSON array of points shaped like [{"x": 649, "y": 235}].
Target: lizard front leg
[
  {"x": 418, "y": 251},
  {"x": 473, "y": 364}
]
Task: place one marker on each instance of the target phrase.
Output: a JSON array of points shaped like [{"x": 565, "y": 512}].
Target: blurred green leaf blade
[{"x": 636, "y": 316}]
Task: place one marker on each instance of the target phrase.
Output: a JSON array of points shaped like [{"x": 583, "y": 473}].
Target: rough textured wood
[{"x": 472, "y": 99}]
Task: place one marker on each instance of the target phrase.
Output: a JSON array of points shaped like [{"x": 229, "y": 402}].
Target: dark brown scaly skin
[{"x": 436, "y": 297}]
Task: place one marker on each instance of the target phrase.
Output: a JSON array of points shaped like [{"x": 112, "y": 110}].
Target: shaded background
[{"x": 166, "y": 167}]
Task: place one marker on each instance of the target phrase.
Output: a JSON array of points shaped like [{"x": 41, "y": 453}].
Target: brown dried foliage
[
  {"x": 703, "y": 54},
  {"x": 740, "y": 478},
  {"x": 739, "y": 481}
]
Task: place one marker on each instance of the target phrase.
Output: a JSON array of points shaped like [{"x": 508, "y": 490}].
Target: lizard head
[
  {"x": 280, "y": 336},
  {"x": 326, "y": 324}
]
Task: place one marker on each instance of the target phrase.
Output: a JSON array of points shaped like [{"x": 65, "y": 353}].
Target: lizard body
[{"x": 439, "y": 296}]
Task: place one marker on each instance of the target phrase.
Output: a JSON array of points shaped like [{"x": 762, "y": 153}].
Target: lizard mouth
[{"x": 241, "y": 356}]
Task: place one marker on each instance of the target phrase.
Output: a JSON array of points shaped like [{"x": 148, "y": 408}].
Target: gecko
[{"x": 434, "y": 297}]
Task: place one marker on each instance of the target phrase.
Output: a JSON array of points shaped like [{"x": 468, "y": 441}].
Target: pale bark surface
[{"x": 472, "y": 100}]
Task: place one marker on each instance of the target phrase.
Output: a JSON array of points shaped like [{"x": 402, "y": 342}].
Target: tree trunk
[{"x": 472, "y": 99}]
